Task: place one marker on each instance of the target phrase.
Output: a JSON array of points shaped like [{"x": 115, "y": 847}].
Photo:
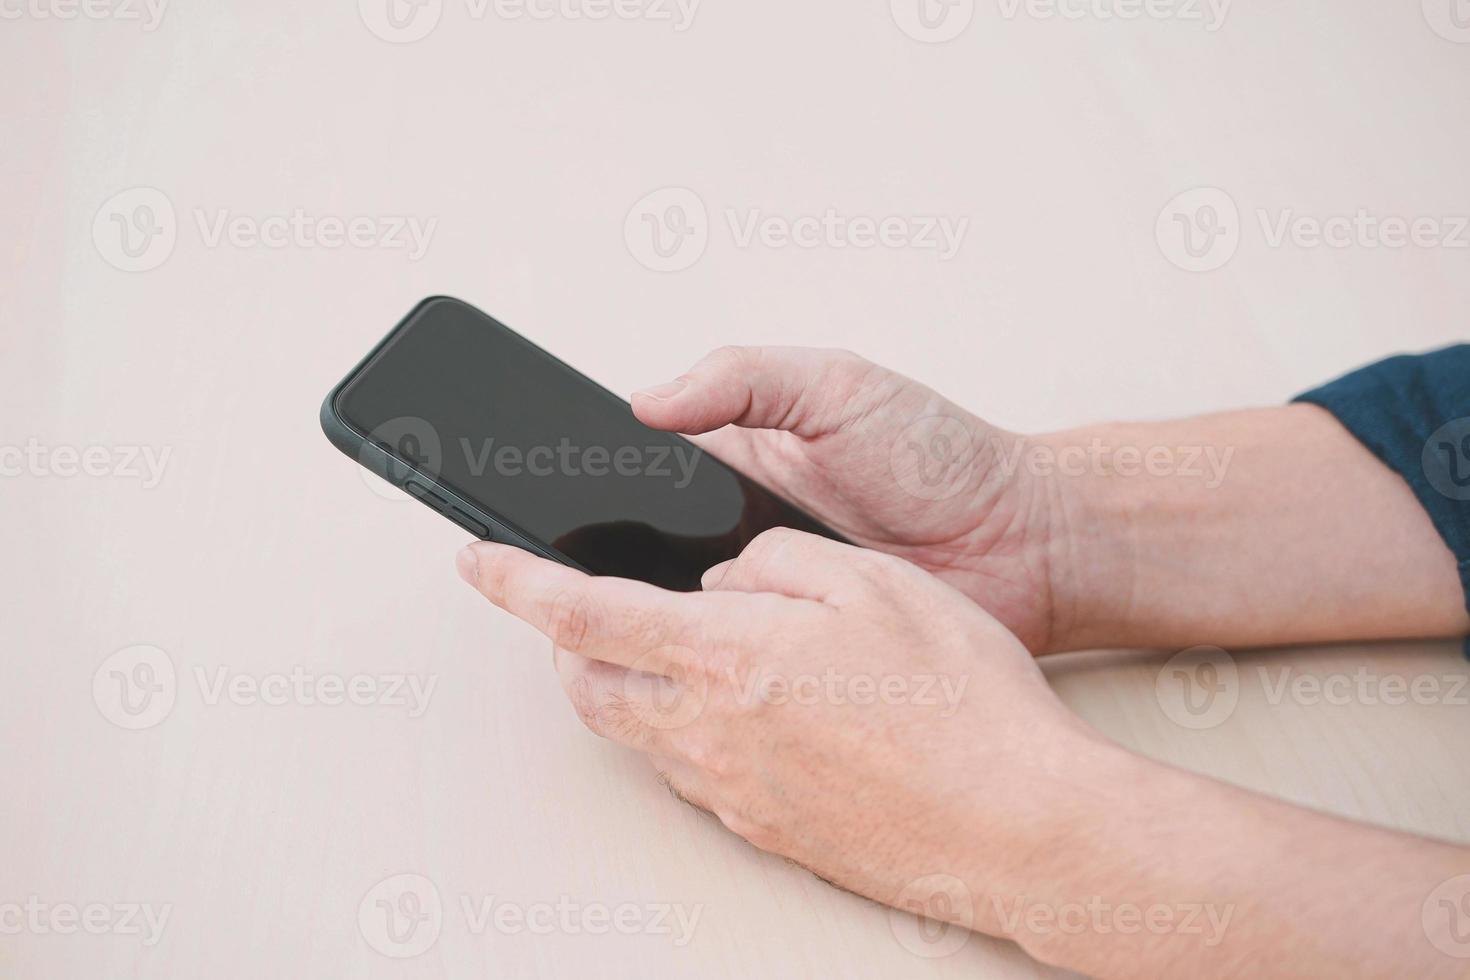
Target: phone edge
[{"x": 373, "y": 458}]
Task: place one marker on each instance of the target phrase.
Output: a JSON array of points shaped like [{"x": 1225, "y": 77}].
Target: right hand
[{"x": 888, "y": 463}]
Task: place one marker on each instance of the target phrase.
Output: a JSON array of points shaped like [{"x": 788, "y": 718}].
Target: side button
[
  {"x": 423, "y": 493},
  {"x": 469, "y": 524}
]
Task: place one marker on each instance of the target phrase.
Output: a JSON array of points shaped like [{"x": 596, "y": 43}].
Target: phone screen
[{"x": 551, "y": 453}]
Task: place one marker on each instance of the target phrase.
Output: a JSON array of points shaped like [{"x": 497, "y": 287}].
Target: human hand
[
  {"x": 831, "y": 704},
  {"x": 888, "y": 463}
]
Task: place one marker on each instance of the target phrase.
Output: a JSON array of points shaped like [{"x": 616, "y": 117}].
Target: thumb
[{"x": 803, "y": 390}]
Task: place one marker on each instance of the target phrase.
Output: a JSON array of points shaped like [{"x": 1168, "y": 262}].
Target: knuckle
[
  {"x": 570, "y": 618},
  {"x": 770, "y": 543},
  {"x": 584, "y": 701},
  {"x": 730, "y": 357}
]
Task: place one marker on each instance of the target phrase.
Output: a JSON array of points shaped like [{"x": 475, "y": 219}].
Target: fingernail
[
  {"x": 468, "y": 564},
  {"x": 664, "y": 391}
]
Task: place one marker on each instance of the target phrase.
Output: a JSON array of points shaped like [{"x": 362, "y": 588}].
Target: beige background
[{"x": 262, "y": 548}]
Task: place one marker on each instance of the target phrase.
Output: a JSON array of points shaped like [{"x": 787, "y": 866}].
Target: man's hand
[
  {"x": 837, "y": 706},
  {"x": 847, "y": 710},
  {"x": 888, "y": 463},
  {"x": 1249, "y": 528}
]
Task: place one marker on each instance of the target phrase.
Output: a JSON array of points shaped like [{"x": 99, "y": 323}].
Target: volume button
[
  {"x": 423, "y": 493},
  {"x": 470, "y": 524}
]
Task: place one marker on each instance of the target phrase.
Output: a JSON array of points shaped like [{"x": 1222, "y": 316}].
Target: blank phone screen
[{"x": 560, "y": 459}]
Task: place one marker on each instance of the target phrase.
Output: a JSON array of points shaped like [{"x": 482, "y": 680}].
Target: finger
[
  {"x": 794, "y": 563},
  {"x": 618, "y": 621},
  {"x": 616, "y": 703},
  {"x": 802, "y": 390},
  {"x": 710, "y": 580}
]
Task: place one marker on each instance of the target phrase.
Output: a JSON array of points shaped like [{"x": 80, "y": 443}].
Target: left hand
[{"x": 837, "y": 706}]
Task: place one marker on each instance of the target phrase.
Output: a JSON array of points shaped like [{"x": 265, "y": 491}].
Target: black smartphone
[{"x": 515, "y": 446}]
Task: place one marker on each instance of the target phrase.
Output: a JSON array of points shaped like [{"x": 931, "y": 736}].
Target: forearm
[
  {"x": 1284, "y": 529},
  {"x": 1179, "y": 874}
]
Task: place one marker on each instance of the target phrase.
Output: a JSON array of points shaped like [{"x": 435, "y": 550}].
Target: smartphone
[{"x": 515, "y": 446}]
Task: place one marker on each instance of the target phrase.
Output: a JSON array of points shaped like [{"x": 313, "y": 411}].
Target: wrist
[{"x": 1094, "y": 512}]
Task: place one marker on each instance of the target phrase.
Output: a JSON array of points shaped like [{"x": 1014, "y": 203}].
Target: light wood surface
[{"x": 264, "y": 828}]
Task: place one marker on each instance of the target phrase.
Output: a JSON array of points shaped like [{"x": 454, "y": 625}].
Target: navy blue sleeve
[{"x": 1413, "y": 412}]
